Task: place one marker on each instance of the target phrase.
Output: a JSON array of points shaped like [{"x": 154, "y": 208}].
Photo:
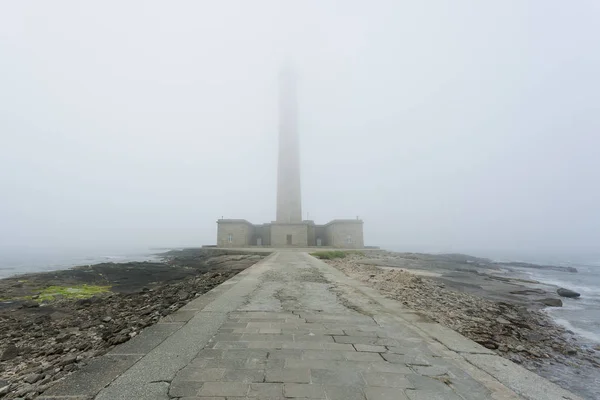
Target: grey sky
[{"x": 445, "y": 125}]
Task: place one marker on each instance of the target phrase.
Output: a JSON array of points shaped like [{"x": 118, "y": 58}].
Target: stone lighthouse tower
[
  {"x": 288, "y": 229},
  {"x": 289, "y": 207}
]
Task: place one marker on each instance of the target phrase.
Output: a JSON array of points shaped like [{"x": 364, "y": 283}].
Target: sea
[
  {"x": 22, "y": 260},
  {"x": 580, "y": 315}
]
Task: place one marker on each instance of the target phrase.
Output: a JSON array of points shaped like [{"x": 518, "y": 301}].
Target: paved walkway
[{"x": 293, "y": 327}]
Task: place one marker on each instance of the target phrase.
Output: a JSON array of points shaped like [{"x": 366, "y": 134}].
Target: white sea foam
[{"x": 594, "y": 337}]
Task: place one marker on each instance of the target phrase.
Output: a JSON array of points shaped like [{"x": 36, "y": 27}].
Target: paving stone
[
  {"x": 261, "y": 320},
  {"x": 337, "y": 377},
  {"x": 356, "y": 339},
  {"x": 257, "y": 337},
  {"x": 228, "y": 345},
  {"x": 413, "y": 359},
  {"x": 244, "y": 375},
  {"x": 307, "y": 391},
  {"x": 313, "y": 364},
  {"x": 323, "y": 355},
  {"x": 357, "y": 356},
  {"x": 224, "y": 389},
  {"x": 245, "y": 330},
  {"x": 383, "y": 393},
  {"x": 435, "y": 370},
  {"x": 365, "y": 327},
  {"x": 226, "y": 337},
  {"x": 233, "y": 325},
  {"x": 283, "y": 354},
  {"x": 240, "y": 363},
  {"x": 258, "y": 325},
  {"x": 179, "y": 388},
  {"x": 344, "y": 393},
  {"x": 297, "y": 375},
  {"x": 387, "y": 342},
  {"x": 426, "y": 383},
  {"x": 389, "y": 367},
  {"x": 190, "y": 373},
  {"x": 370, "y": 348},
  {"x": 249, "y": 353},
  {"x": 287, "y": 325},
  {"x": 387, "y": 379},
  {"x": 305, "y": 345},
  {"x": 313, "y": 338},
  {"x": 355, "y": 332},
  {"x": 269, "y": 345},
  {"x": 431, "y": 395},
  {"x": 266, "y": 390},
  {"x": 337, "y": 346},
  {"x": 270, "y": 330},
  {"x": 209, "y": 353}
]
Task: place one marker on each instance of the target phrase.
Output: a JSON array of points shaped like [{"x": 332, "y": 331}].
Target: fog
[{"x": 446, "y": 126}]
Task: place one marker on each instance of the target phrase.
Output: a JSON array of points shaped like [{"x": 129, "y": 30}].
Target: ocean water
[
  {"x": 22, "y": 260},
  {"x": 581, "y": 315}
]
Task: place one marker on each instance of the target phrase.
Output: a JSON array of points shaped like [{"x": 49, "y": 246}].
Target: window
[
  {"x": 349, "y": 239},
  {"x": 230, "y": 238}
]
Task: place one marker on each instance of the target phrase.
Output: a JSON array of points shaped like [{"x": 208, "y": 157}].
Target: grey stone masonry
[{"x": 293, "y": 327}]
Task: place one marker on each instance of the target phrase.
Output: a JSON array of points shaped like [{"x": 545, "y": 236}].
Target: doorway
[
  {"x": 318, "y": 241},
  {"x": 289, "y": 240},
  {"x": 259, "y": 241}
]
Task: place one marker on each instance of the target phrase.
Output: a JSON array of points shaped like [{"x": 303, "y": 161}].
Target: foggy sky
[{"x": 446, "y": 126}]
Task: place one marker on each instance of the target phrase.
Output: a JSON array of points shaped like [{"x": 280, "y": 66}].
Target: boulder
[
  {"x": 550, "y": 302},
  {"x": 33, "y": 378},
  {"x": 11, "y": 351},
  {"x": 567, "y": 293},
  {"x": 4, "y": 390},
  {"x": 30, "y": 304}
]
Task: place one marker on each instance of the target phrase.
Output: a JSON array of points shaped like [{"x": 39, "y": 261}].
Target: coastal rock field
[{"x": 45, "y": 334}]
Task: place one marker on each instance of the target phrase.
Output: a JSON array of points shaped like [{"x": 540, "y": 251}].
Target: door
[
  {"x": 318, "y": 241},
  {"x": 259, "y": 241},
  {"x": 289, "y": 240}
]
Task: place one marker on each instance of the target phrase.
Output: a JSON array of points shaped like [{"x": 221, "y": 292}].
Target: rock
[
  {"x": 567, "y": 293},
  {"x": 83, "y": 302},
  {"x": 33, "y": 378},
  {"x": 30, "y": 304},
  {"x": 11, "y": 351},
  {"x": 488, "y": 344},
  {"x": 4, "y": 390},
  {"x": 502, "y": 321},
  {"x": 63, "y": 337},
  {"x": 118, "y": 339},
  {"x": 183, "y": 295},
  {"x": 106, "y": 319},
  {"x": 70, "y": 359},
  {"x": 550, "y": 302},
  {"x": 520, "y": 348},
  {"x": 597, "y": 348}
]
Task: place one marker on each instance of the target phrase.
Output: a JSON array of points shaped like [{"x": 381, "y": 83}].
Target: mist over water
[{"x": 16, "y": 260}]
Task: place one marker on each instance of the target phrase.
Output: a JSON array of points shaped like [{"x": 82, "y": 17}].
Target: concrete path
[{"x": 293, "y": 327}]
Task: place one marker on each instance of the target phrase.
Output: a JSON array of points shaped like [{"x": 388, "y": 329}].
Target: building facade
[
  {"x": 339, "y": 233},
  {"x": 289, "y": 230}
]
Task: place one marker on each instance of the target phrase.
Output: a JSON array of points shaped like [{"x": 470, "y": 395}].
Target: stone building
[{"x": 288, "y": 229}]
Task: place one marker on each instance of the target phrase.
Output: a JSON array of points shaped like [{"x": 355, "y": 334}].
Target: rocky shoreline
[
  {"x": 514, "y": 326},
  {"x": 41, "y": 341}
]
